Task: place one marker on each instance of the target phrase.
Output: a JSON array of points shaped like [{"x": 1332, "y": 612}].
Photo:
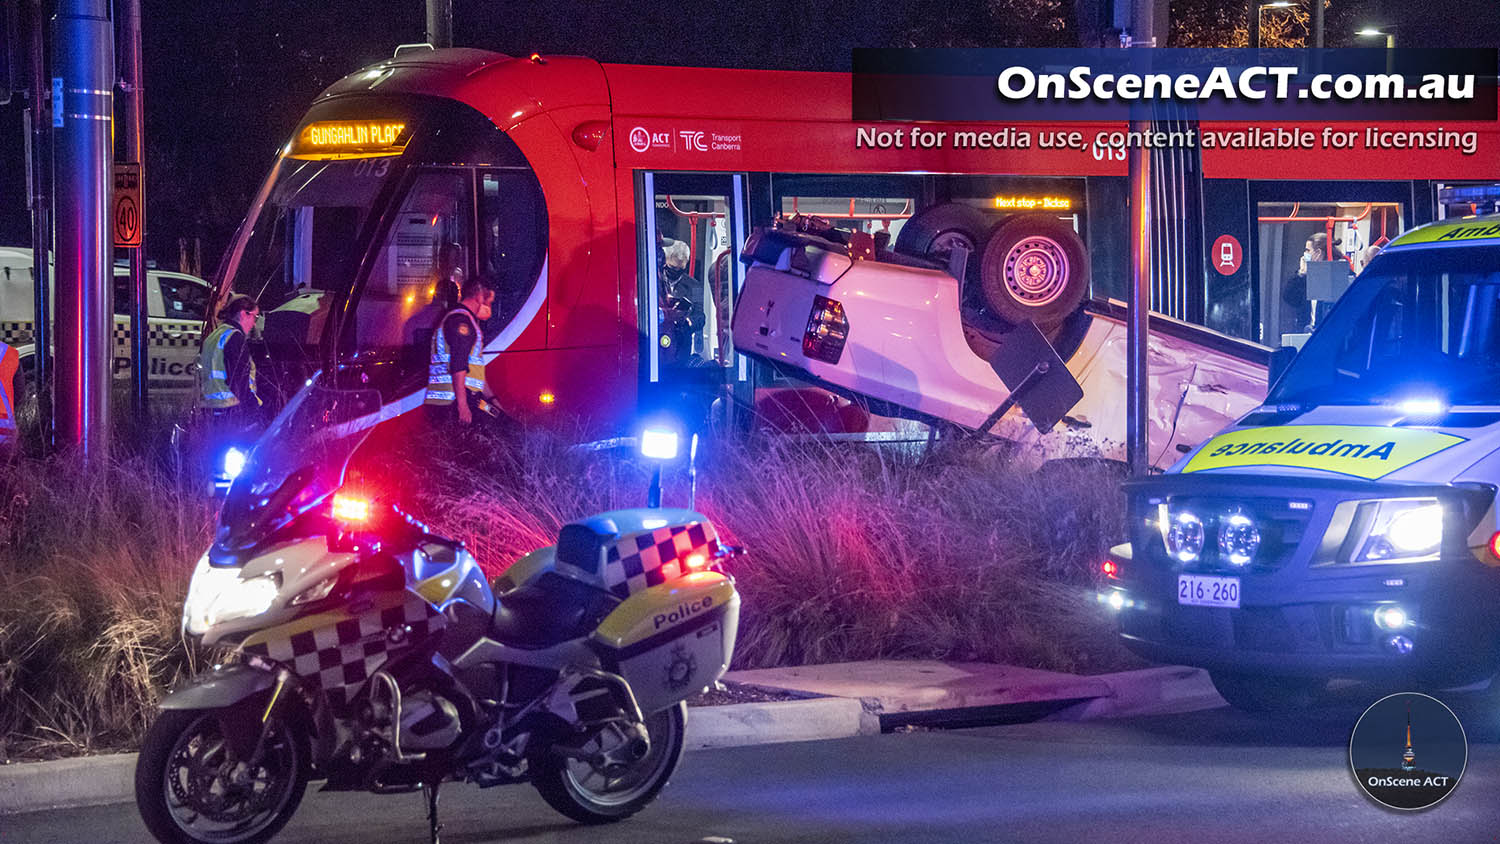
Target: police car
[
  {"x": 176, "y": 305},
  {"x": 1346, "y": 528}
]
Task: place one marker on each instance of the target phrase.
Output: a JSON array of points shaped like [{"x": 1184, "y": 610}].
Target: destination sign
[{"x": 350, "y": 139}]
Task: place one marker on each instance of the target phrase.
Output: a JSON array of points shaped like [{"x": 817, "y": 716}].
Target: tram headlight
[
  {"x": 1183, "y": 532},
  {"x": 1239, "y": 538},
  {"x": 1407, "y": 530}
]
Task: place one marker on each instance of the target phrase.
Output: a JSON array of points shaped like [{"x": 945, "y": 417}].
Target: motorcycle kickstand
[{"x": 430, "y": 791}]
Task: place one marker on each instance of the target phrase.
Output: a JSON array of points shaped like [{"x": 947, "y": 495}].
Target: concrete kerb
[
  {"x": 97, "y": 780},
  {"x": 1164, "y": 690},
  {"x": 67, "y": 783}
]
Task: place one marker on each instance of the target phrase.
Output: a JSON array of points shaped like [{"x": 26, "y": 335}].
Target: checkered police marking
[
  {"x": 341, "y": 657},
  {"x": 645, "y": 559},
  {"x": 162, "y": 335}
]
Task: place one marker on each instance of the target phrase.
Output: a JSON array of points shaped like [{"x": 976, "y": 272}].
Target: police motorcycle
[{"x": 372, "y": 653}]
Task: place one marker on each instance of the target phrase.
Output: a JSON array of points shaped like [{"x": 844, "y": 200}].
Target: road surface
[{"x": 1203, "y": 777}]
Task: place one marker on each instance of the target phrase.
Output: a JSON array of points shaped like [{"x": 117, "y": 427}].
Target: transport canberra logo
[
  {"x": 1408, "y": 751},
  {"x": 1364, "y": 452}
]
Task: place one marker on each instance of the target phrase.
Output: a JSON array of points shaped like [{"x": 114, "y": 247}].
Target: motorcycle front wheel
[
  {"x": 192, "y": 789},
  {"x": 592, "y": 793}
]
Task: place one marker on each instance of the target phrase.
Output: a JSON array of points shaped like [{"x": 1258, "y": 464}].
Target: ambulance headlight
[
  {"x": 1239, "y": 538},
  {"x": 1183, "y": 532},
  {"x": 1406, "y": 530}
]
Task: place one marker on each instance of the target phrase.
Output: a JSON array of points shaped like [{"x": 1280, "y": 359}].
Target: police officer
[
  {"x": 455, "y": 375},
  {"x": 10, "y": 364},
  {"x": 226, "y": 372}
]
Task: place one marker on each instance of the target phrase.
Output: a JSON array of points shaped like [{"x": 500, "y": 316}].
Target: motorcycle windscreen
[{"x": 297, "y": 462}]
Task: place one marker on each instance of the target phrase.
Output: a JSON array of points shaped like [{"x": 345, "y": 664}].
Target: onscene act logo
[{"x": 1408, "y": 751}]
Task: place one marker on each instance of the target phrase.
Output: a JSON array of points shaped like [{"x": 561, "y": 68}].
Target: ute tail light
[
  {"x": 1111, "y": 569},
  {"x": 827, "y": 329}
]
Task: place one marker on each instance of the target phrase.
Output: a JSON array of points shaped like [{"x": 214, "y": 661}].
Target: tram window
[
  {"x": 301, "y": 243},
  {"x": 1309, "y": 253},
  {"x": 693, "y": 257},
  {"x": 881, "y": 217},
  {"x": 423, "y": 258},
  {"x": 512, "y": 240}
]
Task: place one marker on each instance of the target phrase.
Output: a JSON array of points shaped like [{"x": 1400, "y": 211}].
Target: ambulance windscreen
[{"x": 1416, "y": 324}]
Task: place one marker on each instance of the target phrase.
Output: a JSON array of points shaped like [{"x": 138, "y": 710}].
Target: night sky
[
  {"x": 1381, "y": 736},
  {"x": 227, "y": 80}
]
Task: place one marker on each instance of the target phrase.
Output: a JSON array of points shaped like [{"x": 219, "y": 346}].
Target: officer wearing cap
[{"x": 455, "y": 379}]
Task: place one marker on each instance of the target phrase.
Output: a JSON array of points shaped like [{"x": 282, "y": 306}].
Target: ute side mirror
[{"x": 1280, "y": 359}]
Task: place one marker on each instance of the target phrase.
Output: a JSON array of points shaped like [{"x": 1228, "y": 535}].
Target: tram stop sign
[{"x": 125, "y": 206}]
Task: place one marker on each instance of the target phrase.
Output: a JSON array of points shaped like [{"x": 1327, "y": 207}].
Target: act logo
[
  {"x": 641, "y": 139},
  {"x": 1408, "y": 751}
]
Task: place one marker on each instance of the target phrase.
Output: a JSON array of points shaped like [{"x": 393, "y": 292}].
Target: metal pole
[
  {"x": 133, "y": 86},
  {"x": 440, "y": 23},
  {"x": 1137, "y": 376},
  {"x": 40, "y": 173},
  {"x": 1317, "y": 23},
  {"x": 1253, "y": 41},
  {"x": 84, "y": 73}
]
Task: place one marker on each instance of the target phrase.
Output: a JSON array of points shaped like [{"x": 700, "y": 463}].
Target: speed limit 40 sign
[{"x": 126, "y": 210}]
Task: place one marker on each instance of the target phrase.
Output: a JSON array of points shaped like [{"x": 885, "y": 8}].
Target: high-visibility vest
[
  {"x": 439, "y": 379},
  {"x": 10, "y": 363},
  {"x": 213, "y": 369}
]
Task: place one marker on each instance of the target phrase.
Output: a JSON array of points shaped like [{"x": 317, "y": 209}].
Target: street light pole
[
  {"x": 440, "y": 23},
  {"x": 83, "y": 115},
  {"x": 40, "y": 175},
  {"x": 1137, "y": 374},
  {"x": 133, "y": 85}
]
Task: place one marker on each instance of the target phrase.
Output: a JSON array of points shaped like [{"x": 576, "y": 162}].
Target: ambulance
[
  {"x": 1346, "y": 528},
  {"x": 176, "y": 303}
]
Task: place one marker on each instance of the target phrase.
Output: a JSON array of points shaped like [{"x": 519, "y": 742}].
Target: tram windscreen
[
  {"x": 1415, "y": 325},
  {"x": 303, "y": 242}
]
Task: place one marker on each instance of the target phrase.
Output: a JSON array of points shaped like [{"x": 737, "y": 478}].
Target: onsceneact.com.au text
[{"x": 1251, "y": 83}]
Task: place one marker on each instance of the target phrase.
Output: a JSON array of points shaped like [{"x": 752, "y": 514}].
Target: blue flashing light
[
  {"x": 659, "y": 444},
  {"x": 234, "y": 463}
]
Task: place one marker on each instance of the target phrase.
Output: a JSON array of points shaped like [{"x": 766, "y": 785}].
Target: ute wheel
[
  {"x": 594, "y": 793},
  {"x": 1260, "y": 694},
  {"x": 934, "y": 232},
  {"x": 191, "y": 789},
  {"x": 1034, "y": 267}
]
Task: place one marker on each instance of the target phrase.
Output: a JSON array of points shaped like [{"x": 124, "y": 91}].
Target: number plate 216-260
[{"x": 1198, "y": 590}]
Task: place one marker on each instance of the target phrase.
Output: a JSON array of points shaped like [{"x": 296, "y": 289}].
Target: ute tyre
[
  {"x": 1034, "y": 267},
  {"x": 1265, "y": 695},
  {"x": 933, "y": 232},
  {"x": 163, "y": 742},
  {"x": 560, "y": 786}
]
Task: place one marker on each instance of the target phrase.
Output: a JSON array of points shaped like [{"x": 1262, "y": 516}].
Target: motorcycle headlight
[
  {"x": 1402, "y": 530},
  {"x": 317, "y": 592},
  {"x": 243, "y": 598}
]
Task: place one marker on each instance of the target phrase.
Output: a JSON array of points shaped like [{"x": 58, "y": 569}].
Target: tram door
[{"x": 690, "y": 232}]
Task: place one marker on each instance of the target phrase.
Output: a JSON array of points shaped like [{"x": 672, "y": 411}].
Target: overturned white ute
[{"x": 902, "y": 334}]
